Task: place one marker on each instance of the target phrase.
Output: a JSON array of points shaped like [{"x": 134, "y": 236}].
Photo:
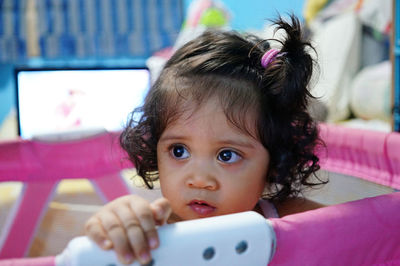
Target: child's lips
[{"x": 201, "y": 207}]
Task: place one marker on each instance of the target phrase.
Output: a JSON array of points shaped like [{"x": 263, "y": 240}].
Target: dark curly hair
[{"x": 227, "y": 65}]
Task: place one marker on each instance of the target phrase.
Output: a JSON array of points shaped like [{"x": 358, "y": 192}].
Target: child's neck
[{"x": 258, "y": 209}]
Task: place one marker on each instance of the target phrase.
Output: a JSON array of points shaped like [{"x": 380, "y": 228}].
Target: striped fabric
[
  {"x": 61, "y": 29},
  {"x": 12, "y": 30}
]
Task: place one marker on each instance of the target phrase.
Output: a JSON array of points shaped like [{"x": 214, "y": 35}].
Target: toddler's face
[{"x": 208, "y": 167}]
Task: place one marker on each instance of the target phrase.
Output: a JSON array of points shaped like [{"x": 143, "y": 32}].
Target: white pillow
[
  {"x": 370, "y": 96},
  {"x": 337, "y": 42}
]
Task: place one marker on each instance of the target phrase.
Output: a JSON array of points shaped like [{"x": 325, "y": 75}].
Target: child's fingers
[
  {"x": 116, "y": 233},
  {"x": 146, "y": 218},
  {"x": 128, "y": 225},
  {"x": 95, "y": 231},
  {"x": 135, "y": 232},
  {"x": 161, "y": 210}
]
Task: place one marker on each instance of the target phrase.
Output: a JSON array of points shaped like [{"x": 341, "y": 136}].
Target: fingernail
[
  {"x": 145, "y": 257},
  {"x": 153, "y": 242},
  {"x": 106, "y": 243},
  {"x": 160, "y": 212},
  {"x": 128, "y": 258}
]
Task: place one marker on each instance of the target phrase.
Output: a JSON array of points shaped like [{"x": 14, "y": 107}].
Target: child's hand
[{"x": 128, "y": 224}]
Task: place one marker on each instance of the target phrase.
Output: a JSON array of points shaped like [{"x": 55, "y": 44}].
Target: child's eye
[
  {"x": 179, "y": 152},
  {"x": 228, "y": 156}
]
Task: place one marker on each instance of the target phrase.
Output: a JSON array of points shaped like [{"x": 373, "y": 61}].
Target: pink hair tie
[{"x": 268, "y": 57}]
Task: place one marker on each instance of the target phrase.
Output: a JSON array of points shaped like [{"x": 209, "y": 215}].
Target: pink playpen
[{"x": 362, "y": 232}]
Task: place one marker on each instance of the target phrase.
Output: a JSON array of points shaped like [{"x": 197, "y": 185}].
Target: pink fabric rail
[
  {"x": 362, "y": 232},
  {"x": 370, "y": 155},
  {"x": 91, "y": 157}
]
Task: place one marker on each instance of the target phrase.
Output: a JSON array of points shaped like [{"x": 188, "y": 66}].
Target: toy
[{"x": 233, "y": 239}]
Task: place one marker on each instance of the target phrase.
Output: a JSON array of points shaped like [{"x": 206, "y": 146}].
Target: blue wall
[
  {"x": 250, "y": 14},
  {"x": 7, "y": 93},
  {"x": 253, "y": 14}
]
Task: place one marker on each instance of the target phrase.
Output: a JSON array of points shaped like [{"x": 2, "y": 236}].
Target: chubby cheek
[
  {"x": 173, "y": 192},
  {"x": 244, "y": 188},
  {"x": 245, "y": 199},
  {"x": 168, "y": 188},
  {"x": 170, "y": 185}
]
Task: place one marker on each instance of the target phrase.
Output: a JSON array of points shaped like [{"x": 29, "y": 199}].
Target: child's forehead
[
  {"x": 212, "y": 113},
  {"x": 210, "y": 109},
  {"x": 181, "y": 96}
]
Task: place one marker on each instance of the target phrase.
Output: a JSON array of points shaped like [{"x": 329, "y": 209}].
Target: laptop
[{"x": 58, "y": 104}]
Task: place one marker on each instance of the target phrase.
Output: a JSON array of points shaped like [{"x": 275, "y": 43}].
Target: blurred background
[{"x": 352, "y": 39}]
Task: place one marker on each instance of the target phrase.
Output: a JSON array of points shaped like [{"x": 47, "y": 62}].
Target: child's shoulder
[{"x": 296, "y": 205}]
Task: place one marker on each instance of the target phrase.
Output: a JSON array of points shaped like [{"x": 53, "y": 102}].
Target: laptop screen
[{"x": 57, "y": 101}]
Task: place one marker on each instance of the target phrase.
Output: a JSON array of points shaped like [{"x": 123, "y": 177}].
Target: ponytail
[
  {"x": 287, "y": 78},
  {"x": 290, "y": 133}
]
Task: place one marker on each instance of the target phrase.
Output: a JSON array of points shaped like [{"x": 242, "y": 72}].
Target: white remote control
[{"x": 245, "y": 238}]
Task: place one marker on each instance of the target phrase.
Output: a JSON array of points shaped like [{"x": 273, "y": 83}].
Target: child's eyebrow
[
  {"x": 221, "y": 142},
  {"x": 172, "y": 137},
  {"x": 236, "y": 142}
]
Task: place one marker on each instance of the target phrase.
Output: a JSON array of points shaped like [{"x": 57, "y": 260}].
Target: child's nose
[
  {"x": 202, "y": 182},
  {"x": 202, "y": 177}
]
